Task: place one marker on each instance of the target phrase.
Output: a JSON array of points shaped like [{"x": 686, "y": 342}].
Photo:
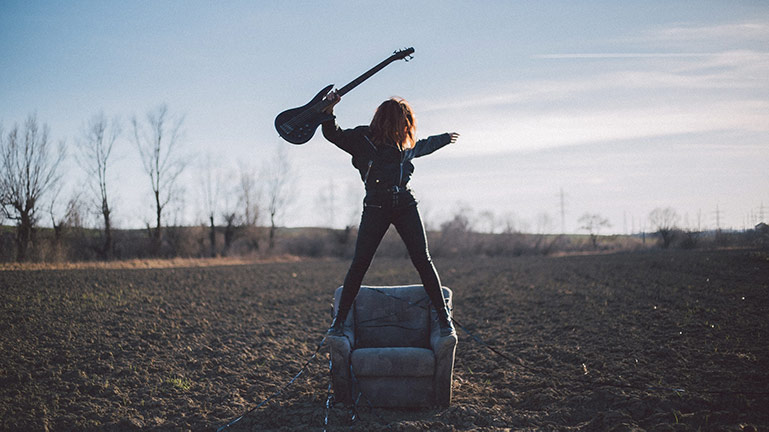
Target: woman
[{"x": 382, "y": 153}]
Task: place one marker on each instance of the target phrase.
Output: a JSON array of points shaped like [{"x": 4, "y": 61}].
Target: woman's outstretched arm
[{"x": 433, "y": 143}]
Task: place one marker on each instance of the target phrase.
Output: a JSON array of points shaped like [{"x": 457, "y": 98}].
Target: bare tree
[
  {"x": 230, "y": 229},
  {"x": 664, "y": 220},
  {"x": 158, "y": 142},
  {"x": 72, "y": 217},
  {"x": 511, "y": 223},
  {"x": 456, "y": 232},
  {"x": 326, "y": 203},
  {"x": 57, "y": 222},
  {"x": 461, "y": 222},
  {"x": 95, "y": 149},
  {"x": 545, "y": 223},
  {"x": 592, "y": 223},
  {"x": 29, "y": 170},
  {"x": 230, "y": 204},
  {"x": 353, "y": 196},
  {"x": 210, "y": 185},
  {"x": 249, "y": 194},
  {"x": 487, "y": 221},
  {"x": 279, "y": 181}
]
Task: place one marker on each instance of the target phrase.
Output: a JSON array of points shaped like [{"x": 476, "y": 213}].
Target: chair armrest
[
  {"x": 444, "y": 349},
  {"x": 441, "y": 345}
]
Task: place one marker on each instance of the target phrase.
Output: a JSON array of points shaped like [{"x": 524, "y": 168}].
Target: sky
[{"x": 564, "y": 108}]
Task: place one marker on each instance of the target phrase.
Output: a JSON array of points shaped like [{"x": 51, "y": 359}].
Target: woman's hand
[
  {"x": 454, "y": 137},
  {"x": 333, "y": 98}
]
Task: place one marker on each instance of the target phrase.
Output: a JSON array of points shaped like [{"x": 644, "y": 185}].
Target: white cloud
[
  {"x": 743, "y": 69},
  {"x": 663, "y": 94},
  {"x": 516, "y": 93},
  {"x": 610, "y": 55},
  {"x": 745, "y": 31},
  {"x": 519, "y": 130}
]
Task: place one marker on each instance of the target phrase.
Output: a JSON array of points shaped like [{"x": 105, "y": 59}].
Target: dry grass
[{"x": 149, "y": 263}]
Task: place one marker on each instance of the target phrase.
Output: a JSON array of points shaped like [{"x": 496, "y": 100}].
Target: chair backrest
[{"x": 395, "y": 316}]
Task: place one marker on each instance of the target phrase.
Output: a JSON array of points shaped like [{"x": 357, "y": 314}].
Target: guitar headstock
[{"x": 404, "y": 54}]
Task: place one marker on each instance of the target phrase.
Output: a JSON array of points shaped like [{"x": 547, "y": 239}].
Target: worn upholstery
[{"x": 392, "y": 351}]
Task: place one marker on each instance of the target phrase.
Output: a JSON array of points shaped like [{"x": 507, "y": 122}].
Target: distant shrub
[{"x": 688, "y": 239}]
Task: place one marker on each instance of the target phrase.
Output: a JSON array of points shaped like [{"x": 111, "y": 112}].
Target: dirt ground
[{"x": 662, "y": 340}]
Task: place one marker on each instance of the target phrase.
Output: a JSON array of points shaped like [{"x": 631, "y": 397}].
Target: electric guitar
[{"x": 298, "y": 125}]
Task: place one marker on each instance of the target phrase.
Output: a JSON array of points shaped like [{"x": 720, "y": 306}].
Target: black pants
[{"x": 401, "y": 211}]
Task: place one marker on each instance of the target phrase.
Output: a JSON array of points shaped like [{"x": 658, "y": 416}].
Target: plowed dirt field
[{"x": 662, "y": 340}]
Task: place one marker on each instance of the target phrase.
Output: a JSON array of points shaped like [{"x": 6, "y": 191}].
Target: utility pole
[
  {"x": 699, "y": 220},
  {"x": 718, "y": 219},
  {"x": 624, "y": 222},
  {"x": 563, "y": 213},
  {"x": 331, "y": 203}
]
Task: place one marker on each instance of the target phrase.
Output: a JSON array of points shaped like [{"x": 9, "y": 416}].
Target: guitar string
[{"x": 301, "y": 117}]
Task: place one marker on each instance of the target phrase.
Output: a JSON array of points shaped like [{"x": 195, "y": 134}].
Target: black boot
[
  {"x": 444, "y": 322},
  {"x": 337, "y": 327}
]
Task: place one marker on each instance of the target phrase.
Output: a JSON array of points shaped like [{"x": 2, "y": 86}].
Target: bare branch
[
  {"x": 279, "y": 182},
  {"x": 95, "y": 148},
  {"x": 665, "y": 221},
  {"x": 29, "y": 171},
  {"x": 157, "y": 141},
  {"x": 250, "y": 193}
]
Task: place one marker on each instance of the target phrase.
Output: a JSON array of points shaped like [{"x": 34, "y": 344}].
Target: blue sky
[{"x": 625, "y": 106}]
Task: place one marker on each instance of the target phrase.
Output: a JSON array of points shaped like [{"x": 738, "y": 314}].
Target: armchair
[{"x": 392, "y": 351}]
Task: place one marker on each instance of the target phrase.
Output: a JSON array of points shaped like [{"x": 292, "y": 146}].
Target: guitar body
[{"x": 298, "y": 125}]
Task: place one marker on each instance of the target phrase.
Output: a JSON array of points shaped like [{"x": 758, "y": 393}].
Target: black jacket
[{"x": 381, "y": 166}]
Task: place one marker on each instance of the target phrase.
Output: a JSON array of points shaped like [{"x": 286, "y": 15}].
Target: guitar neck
[{"x": 354, "y": 83}]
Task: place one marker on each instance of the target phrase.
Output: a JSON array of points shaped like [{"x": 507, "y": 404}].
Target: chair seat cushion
[{"x": 400, "y": 361}]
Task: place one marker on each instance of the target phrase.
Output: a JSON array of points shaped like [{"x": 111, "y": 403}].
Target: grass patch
[{"x": 182, "y": 384}]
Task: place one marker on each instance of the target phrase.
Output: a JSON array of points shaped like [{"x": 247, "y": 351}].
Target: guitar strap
[{"x": 369, "y": 141}]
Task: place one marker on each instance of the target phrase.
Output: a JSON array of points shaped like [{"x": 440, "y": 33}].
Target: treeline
[
  {"x": 32, "y": 179},
  {"x": 71, "y": 244}
]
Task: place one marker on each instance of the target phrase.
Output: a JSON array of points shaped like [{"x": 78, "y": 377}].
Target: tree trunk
[
  {"x": 212, "y": 236},
  {"x": 23, "y": 236},
  {"x": 272, "y": 231},
  {"x": 157, "y": 237},
  {"x": 107, "y": 250},
  {"x": 229, "y": 233}
]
